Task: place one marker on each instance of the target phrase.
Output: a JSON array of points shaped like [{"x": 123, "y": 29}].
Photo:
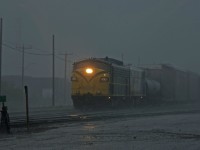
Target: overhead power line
[
  {"x": 13, "y": 48},
  {"x": 31, "y": 53},
  {"x": 38, "y": 54},
  {"x": 20, "y": 50}
]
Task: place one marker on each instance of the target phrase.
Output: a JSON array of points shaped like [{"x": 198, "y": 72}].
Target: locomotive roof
[
  {"x": 112, "y": 60},
  {"x": 104, "y": 60}
]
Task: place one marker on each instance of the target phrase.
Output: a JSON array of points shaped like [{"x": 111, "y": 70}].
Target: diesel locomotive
[{"x": 102, "y": 82}]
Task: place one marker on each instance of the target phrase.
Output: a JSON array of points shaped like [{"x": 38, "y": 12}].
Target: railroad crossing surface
[
  {"x": 144, "y": 129},
  {"x": 68, "y": 113}
]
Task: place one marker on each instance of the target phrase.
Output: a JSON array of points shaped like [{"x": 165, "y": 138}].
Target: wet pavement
[{"x": 173, "y": 131}]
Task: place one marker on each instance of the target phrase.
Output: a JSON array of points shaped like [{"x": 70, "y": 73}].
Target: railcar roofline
[{"x": 105, "y": 60}]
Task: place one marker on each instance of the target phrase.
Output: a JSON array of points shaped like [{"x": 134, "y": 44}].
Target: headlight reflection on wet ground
[{"x": 89, "y": 126}]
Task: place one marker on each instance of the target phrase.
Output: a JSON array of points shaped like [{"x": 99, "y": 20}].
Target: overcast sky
[{"x": 156, "y": 31}]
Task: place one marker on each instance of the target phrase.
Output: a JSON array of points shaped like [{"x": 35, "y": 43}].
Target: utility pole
[
  {"x": 23, "y": 48},
  {"x": 53, "y": 74},
  {"x": 23, "y": 66},
  {"x": 1, "y": 35},
  {"x": 23, "y": 51},
  {"x": 65, "y": 75},
  {"x": 27, "y": 107},
  {"x": 65, "y": 87}
]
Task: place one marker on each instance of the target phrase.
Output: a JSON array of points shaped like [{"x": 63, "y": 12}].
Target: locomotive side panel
[
  {"x": 137, "y": 83},
  {"x": 120, "y": 81}
]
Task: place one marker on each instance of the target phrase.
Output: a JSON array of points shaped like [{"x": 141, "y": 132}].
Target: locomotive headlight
[{"x": 89, "y": 70}]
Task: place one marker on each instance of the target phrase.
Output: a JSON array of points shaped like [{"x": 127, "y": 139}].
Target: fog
[
  {"x": 145, "y": 32},
  {"x": 142, "y": 31}
]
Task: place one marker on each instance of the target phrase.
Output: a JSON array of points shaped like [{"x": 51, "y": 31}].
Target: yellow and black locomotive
[{"x": 105, "y": 82}]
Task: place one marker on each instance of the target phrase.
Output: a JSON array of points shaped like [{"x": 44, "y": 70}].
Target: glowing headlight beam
[{"x": 89, "y": 71}]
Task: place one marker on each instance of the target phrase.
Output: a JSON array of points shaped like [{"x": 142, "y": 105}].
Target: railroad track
[{"x": 74, "y": 115}]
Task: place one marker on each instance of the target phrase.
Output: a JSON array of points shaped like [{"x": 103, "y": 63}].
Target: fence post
[{"x": 27, "y": 107}]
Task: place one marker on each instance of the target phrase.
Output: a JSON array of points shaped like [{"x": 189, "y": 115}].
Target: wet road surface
[{"x": 173, "y": 131}]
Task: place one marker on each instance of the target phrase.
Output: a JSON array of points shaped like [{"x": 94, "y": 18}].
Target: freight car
[
  {"x": 101, "y": 82},
  {"x": 177, "y": 85}
]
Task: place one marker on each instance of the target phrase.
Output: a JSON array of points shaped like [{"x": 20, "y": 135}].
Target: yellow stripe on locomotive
[{"x": 90, "y": 80}]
